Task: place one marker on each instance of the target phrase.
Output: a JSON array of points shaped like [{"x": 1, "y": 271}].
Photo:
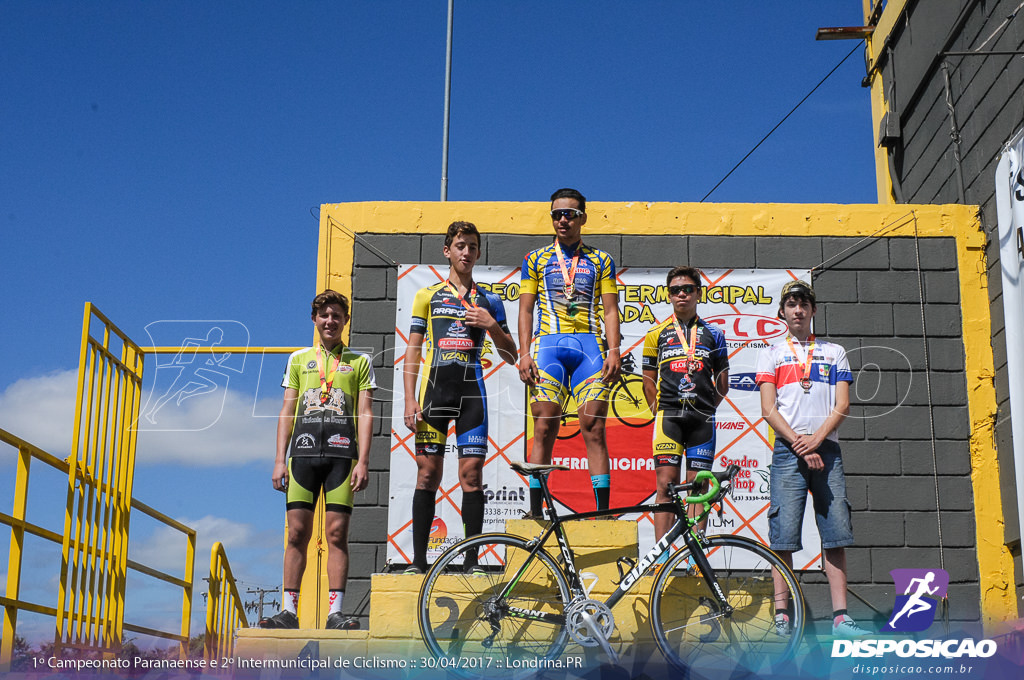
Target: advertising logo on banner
[{"x": 743, "y": 304}]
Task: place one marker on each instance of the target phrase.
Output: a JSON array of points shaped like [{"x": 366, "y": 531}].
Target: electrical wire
[{"x": 779, "y": 124}]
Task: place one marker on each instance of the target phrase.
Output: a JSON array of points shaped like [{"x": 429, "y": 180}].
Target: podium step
[{"x": 393, "y": 629}]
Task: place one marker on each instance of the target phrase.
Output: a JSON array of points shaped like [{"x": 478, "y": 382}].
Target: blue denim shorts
[{"x": 791, "y": 479}]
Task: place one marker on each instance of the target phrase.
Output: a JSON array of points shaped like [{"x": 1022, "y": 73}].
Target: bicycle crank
[{"x": 591, "y": 623}]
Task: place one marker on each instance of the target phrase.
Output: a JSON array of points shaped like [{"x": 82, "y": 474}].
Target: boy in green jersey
[{"x": 326, "y": 421}]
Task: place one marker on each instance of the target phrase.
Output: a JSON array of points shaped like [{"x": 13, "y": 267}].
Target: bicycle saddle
[{"x": 535, "y": 468}]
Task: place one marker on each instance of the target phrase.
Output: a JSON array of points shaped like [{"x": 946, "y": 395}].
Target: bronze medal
[{"x": 805, "y": 366}]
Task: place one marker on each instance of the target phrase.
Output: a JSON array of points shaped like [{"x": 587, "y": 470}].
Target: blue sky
[{"x": 160, "y": 160}]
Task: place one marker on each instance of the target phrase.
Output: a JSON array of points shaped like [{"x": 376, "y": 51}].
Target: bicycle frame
[{"x": 681, "y": 527}]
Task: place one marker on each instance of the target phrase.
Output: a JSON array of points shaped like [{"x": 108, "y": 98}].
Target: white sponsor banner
[
  {"x": 1010, "y": 210},
  {"x": 743, "y": 303}
]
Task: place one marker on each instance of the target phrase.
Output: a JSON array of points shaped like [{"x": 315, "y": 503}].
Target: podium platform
[{"x": 393, "y": 631}]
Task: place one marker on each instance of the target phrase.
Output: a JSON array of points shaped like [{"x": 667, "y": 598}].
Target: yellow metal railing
[
  {"x": 225, "y": 612},
  {"x": 20, "y": 527},
  {"x": 94, "y": 541},
  {"x": 90, "y": 602}
]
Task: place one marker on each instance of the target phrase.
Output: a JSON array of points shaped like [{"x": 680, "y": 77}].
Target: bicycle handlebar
[
  {"x": 721, "y": 482},
  {"x": 704, "y": 476}
]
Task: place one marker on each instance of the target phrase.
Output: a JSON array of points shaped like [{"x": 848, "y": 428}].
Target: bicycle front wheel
[
  {"x": 697, "y": 634},
  {"x": 482, "y": 614}
]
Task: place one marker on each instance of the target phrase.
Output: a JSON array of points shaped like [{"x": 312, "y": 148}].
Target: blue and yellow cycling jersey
[{"x": 542, "y": 276}]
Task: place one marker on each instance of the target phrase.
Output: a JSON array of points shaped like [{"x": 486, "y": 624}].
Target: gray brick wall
[
  {"x": 866, "y": 294},
  {"x": 986, "y": 92}
]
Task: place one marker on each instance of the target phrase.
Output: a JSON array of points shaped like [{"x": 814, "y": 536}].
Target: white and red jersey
[{"x": 804, "y": 411}]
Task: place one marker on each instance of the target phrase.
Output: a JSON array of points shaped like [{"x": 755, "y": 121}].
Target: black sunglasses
[
  {"x": 567, "y": 213},
  {"x": 687, "y": 288}
]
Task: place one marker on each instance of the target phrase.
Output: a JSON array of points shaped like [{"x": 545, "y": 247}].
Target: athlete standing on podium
[
  {"x": 323, "y": 443},
  {"x": 573, "y": 288},
  {"x": 454, "y": 316}
]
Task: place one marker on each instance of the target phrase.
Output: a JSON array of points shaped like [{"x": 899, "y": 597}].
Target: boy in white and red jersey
[{"x": 805, "y": 395}]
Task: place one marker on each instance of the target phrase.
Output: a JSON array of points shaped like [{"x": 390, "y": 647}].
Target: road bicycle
[{"x": 495, "y": 604}]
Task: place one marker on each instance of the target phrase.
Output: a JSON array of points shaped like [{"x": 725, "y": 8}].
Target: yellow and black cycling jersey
[{"x": 685, "y": 384}]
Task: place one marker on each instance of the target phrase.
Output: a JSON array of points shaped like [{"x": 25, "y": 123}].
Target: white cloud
[
  {"x": 41, "y": 410},
  {"x": 212, "y": 429},
  {"x": 186, "y": 435},
  {"x": 165, "y": 548}
]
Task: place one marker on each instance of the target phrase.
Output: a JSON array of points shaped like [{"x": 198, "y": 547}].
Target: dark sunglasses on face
[
  {"x": 567, "y": 213},
  {"x": 687, "y": 288}
]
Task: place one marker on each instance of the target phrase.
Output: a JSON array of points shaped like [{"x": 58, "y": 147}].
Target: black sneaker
[
  {"x": 282, "y": 619},
  {"x": 338, "y": 621}
]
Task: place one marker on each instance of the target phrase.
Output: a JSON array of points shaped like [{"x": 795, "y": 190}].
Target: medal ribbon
[
  {"x": 806, "y": 365},
  {"x": 568, "y": 275},
  {"x": 468, "y": 304},
  {"x": 690, "y": 349},
  {"x": 325, "y": 384}
]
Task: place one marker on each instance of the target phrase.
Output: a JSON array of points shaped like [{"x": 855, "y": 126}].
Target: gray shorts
[{"x": 791, "y": 480}]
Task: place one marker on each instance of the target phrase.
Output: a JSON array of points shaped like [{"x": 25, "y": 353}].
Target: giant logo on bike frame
[{"x": 742, "y": 304}]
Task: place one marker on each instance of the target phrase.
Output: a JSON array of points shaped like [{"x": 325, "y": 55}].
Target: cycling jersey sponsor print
[
  {"x": 457, "y": 329},
  {"x": 305, "y": 442},
  {"x": 684, "y": 366},
  {"x": 455, "y": 343},
  {"x": 337, "y": 440},
  {"x": 335, "y": 402}
]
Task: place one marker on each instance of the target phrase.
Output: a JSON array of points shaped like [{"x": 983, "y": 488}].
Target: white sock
[
  {"x": 334, "y": 599},
  {"x": 290, "y": 601}
]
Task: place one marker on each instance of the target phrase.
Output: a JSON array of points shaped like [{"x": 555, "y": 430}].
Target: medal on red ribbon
[
  {"x": 325, "y": 384},
  {"x": 569, "y": 274},
  {"x": 805, "y": 380},
  {"x": 690, "y": 348},
  {"x": 471, "y": 295}
]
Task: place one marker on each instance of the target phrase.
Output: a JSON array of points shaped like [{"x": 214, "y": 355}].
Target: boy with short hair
[
  {"x": 805, "y": 395},
  {"x": 686, "y": 377},
  {"x": 453, "y": 316},
  {"x": 323, "y": 442},
  {"x": 573, "y": 288}
]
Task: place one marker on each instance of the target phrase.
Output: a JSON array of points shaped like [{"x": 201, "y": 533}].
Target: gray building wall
[
  {"x": 870, "y": 299},
  {"x": 986, "y": 93}
]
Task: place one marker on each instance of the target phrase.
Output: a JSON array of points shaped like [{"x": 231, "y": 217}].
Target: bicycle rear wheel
[
  {"x": 474, "y": 631},
  {"x": 697, "y": 635}
]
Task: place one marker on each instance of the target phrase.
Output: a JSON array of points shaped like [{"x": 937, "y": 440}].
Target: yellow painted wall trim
[
  {"x": 640, "y": 218},
  {"x": 340, "y": 221},
  {"x": 883, "y": 29},
  {"x": 995, "y": 562},
  {"x": 875, "y": 45}
]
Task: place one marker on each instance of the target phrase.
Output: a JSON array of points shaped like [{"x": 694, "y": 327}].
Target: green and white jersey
[{"x": 324, "y": 423}]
